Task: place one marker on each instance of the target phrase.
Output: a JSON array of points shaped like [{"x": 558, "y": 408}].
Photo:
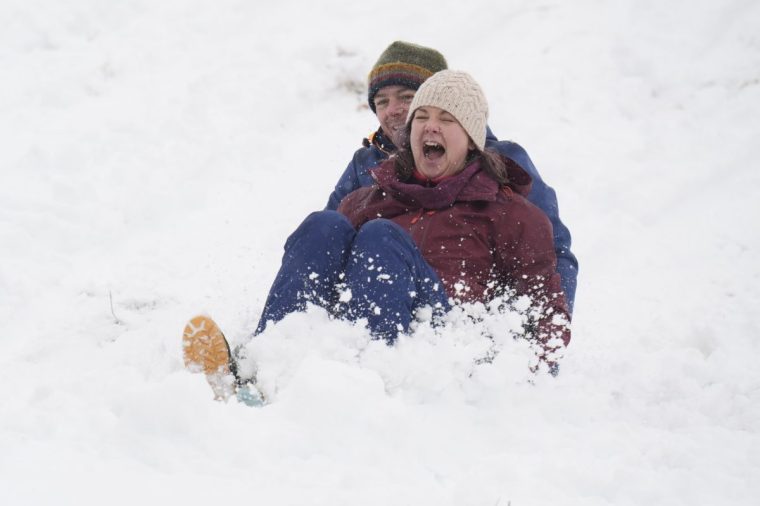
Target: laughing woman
[{"x": 445, "y": 223}]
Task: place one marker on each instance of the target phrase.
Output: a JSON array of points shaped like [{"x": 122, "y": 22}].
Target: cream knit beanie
[{"x": 458, "y": 93}]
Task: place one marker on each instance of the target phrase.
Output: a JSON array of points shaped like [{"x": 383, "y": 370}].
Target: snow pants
[{"x": 375, "y": 272}]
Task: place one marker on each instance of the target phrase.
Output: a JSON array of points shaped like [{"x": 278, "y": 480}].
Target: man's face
[{"x": 391, "y": 106}]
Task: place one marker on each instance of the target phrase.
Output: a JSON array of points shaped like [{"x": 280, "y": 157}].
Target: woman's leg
[
  {"x": 315, "y": 255},
  {"x": 389, "y": 279}
]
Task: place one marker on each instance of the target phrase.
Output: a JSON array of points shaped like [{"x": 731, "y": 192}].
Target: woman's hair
[{"x": 490, "y": 160}]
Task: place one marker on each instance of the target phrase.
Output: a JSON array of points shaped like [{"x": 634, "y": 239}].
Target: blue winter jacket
[{"x": 542, "y": 195}]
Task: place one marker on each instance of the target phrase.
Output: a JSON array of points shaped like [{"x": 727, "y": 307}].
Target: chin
[{"x": 431, "y": 174}]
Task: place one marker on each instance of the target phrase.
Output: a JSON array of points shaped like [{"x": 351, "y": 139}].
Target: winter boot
[{"x": 206, "y": 350}]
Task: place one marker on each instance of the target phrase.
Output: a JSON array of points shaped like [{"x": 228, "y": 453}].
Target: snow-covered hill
[{"x": 155, "y": 156}]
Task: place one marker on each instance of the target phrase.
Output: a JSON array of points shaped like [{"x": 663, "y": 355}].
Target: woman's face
[{"x": 439, "y": 143}]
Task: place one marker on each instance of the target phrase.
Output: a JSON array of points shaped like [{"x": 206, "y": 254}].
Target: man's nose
[{"x": 397, "y": 107}]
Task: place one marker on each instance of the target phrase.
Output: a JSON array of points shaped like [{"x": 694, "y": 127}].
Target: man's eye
[
  {"x": 381, "y": 103},
  {"x": 407, "y": 98}
]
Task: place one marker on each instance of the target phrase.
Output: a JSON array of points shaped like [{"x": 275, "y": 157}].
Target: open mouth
[{"x": 432, "y": 150}]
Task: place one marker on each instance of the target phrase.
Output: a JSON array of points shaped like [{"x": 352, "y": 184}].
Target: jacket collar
[
  {"x": 470, "y": 185},
  {"x": 379, "y": 140}
]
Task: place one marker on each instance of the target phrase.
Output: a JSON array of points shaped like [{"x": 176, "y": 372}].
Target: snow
[{"x": 147, "y": 148}]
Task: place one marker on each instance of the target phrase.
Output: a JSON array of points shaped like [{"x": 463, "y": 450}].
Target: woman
[{"x": 446, "y": 222}]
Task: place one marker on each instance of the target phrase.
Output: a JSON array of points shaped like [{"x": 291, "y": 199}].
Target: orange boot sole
[{"x": 206, "y": 350}]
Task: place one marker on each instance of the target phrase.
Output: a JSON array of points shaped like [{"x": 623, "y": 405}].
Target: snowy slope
[{"x": 156, "y": 155}]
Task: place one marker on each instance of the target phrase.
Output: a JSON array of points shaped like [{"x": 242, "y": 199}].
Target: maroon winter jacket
[{"x": 478, "y": 236}]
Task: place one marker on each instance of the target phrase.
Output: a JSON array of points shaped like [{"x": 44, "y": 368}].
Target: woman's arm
[{"x": 526, "y": 263}]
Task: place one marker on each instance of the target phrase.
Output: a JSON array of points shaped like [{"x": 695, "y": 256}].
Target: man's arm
[
  {"x": 356, "y": 175},
  {"x": 544, "y": 197}
]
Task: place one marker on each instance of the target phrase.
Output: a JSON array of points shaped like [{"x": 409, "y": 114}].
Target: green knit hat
[{"x": 403, "y": 64}]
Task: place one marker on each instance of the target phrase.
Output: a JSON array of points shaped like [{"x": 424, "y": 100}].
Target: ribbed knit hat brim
[{"x": 459, "y": 94}]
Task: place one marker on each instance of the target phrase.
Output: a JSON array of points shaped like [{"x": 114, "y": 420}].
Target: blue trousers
[{"x": 375, "y": 273}]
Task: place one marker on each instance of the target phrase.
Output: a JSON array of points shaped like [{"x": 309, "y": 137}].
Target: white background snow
[{"x": 155, "y": 155}]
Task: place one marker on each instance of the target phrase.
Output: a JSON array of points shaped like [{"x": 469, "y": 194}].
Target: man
[{"x": 392, "y": 84}]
